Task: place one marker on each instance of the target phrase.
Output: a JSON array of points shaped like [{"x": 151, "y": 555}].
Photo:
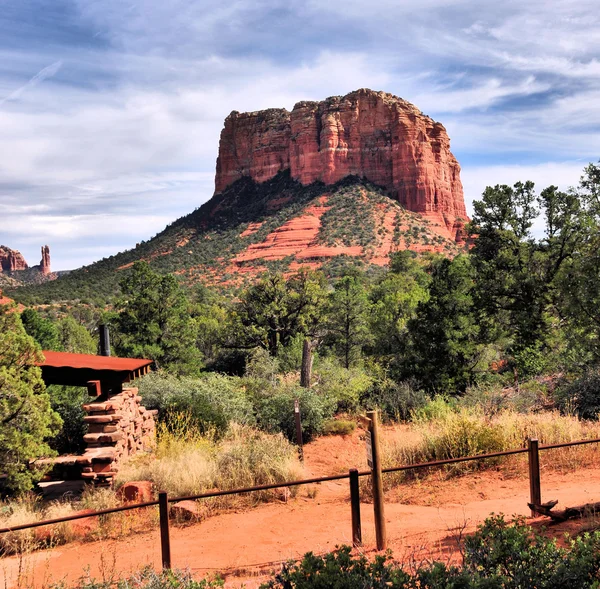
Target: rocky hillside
[
  {"x": 14, "y": 270},
  {"x": 349, "y": 178}
]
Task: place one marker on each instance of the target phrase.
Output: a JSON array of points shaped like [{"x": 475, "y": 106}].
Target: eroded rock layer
[
  {"x": 369, "y": 134},
  {"x": 11, "y": 260}
]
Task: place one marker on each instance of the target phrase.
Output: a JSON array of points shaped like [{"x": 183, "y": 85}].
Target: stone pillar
[
  {"x": 45, "y": 262},
  {"x": 118, "y": 428}
]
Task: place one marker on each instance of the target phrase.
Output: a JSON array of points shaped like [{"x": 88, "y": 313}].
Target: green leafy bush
[
  {"x": 275, "y": 411},
  {"x": 343, "y": 387},
  {"x": 338, "y": 427},
  {"x": 213, "y": 400},
  {"x": 500, "y": 555},
  {"x": 341, "y": 570},
  {"x": 396, "y": 400},
  {"x": 582, "y": 395},
  {"x": 68, "y": 402}
]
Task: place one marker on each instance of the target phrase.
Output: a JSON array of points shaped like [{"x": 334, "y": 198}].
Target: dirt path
[{"x": 426, "y": 524}]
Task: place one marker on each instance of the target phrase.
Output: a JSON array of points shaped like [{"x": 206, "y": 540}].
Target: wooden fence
[{"x": 532, "y": 450}]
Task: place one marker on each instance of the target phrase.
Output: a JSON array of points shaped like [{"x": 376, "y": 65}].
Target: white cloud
[
  {"x": 561, "y": 174},
  {"x": 131, "y": 122}
]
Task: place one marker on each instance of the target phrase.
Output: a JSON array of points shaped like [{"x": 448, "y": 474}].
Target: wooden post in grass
[
  {"x": 535, "y": 487},
  {"x": 355, "y": 506},
  {"x": 380, "y": 531},
  {"x": 165, "y": 540},
  {"x": 298, "y": 428}
]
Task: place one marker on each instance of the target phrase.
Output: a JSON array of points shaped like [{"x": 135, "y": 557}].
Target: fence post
[
  {"x": 298, "y": 428},
  {"x": 535, "y": 488},
  {"x": 380, "y": 531},
  {"x": 165, "y": 540},
  {"x": 355, "y": 506}
]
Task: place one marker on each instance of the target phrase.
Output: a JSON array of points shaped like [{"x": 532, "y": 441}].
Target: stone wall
[{"x": 118, "y": 427}]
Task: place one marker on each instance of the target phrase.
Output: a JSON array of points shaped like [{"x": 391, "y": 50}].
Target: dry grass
[
  {"x": 467, "y": 432},
  {"x": 187, "y": 462}
]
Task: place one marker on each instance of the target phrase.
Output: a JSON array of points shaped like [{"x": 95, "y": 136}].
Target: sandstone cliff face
[
  {"x": 365, "y": 133},
  {"x": 11, "y": 260}
]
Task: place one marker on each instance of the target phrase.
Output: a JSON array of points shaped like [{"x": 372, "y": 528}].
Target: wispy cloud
[
  {"x": 42, "y": 75},
  {"x": 127, "y": 134}
]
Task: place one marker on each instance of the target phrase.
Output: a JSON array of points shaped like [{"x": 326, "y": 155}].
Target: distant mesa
[{"x": 372, "y": 135}]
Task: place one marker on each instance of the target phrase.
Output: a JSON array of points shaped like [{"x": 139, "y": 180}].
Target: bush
[
  {"x": 341, "y": 570},
  {"x": 396, "y": 400},
  {"x": 212, "y": 400},
  {"x": 275, "y": 411},
  {"x": 338, "y": 427},
  {"x": 68, "y": 403},
  {"x": 499, "y": 555},
  {"x": 582, "y": 395},
  {"x": 189, "y": 462},
  {"x": 343, "y": 387},
  {"x": 436, "y": 409}
]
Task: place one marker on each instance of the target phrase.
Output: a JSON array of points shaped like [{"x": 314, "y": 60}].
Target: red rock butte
[
  {"x": 374, "y": 135},
  {"x": 11, "y": 260}
]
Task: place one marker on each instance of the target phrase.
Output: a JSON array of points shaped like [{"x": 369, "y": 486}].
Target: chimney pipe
[{"x": 104, "y": 340}]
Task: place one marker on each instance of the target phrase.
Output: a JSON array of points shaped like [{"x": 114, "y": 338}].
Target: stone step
[
  {"x": 102, "y": 418},
  {"x": 102, "y": 406},
  {"x": 104, "y": 438},
  {"x": 94, "y": 455}
]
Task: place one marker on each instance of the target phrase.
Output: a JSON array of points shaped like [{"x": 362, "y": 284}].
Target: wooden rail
[{"x": 163, "y": 501}]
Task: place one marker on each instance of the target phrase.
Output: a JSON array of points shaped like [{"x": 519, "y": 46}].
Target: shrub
[
  {"x": 68, "y": 403},
  {"x": 499, "y": 555},
  {"x": 212, "y": 400},
  {"x": 582, "y": 395},
  {"x": 396, "y": 400},
  {"x": 438, "y": 408},
  {"x": 339, "y": 569},
  {"x": 338, "y": 427},
  {"x": 275, "y": 411},
  {"x": 189, "y": 462},
  {"x": 343, "y": 387}
]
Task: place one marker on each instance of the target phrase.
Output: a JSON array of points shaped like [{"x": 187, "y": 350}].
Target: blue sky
[{"x": 110, "y": 111}]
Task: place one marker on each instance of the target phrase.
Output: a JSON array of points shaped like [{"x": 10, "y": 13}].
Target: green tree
[
  {"x": 75, "y": 338},
  {"x": 516, "y": 273},
  {"x": 347, "y": 321},
  {"x": 446, "y": 338},
  {"x": 43, "y": 331},
  {"x": 211, "y": 316},
  {"x": 26, "y": 418},
  {"x": 579, "y": 278},
  {"x": 154, "y": 321},
  {"x": 395, "y": 301},
  {"x": 270, "y": 313}
]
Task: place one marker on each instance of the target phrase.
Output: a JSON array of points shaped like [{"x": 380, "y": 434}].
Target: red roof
[{"x": 67, "y": 360}]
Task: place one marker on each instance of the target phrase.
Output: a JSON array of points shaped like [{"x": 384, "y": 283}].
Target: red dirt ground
[{"x": 425, "y": 519}]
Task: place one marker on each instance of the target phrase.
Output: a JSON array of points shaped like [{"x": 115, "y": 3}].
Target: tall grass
[
  {"x": 30, "y": 509},
  {"x": 188, "y": 462},
  {"x": 464, "y": 431}
]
